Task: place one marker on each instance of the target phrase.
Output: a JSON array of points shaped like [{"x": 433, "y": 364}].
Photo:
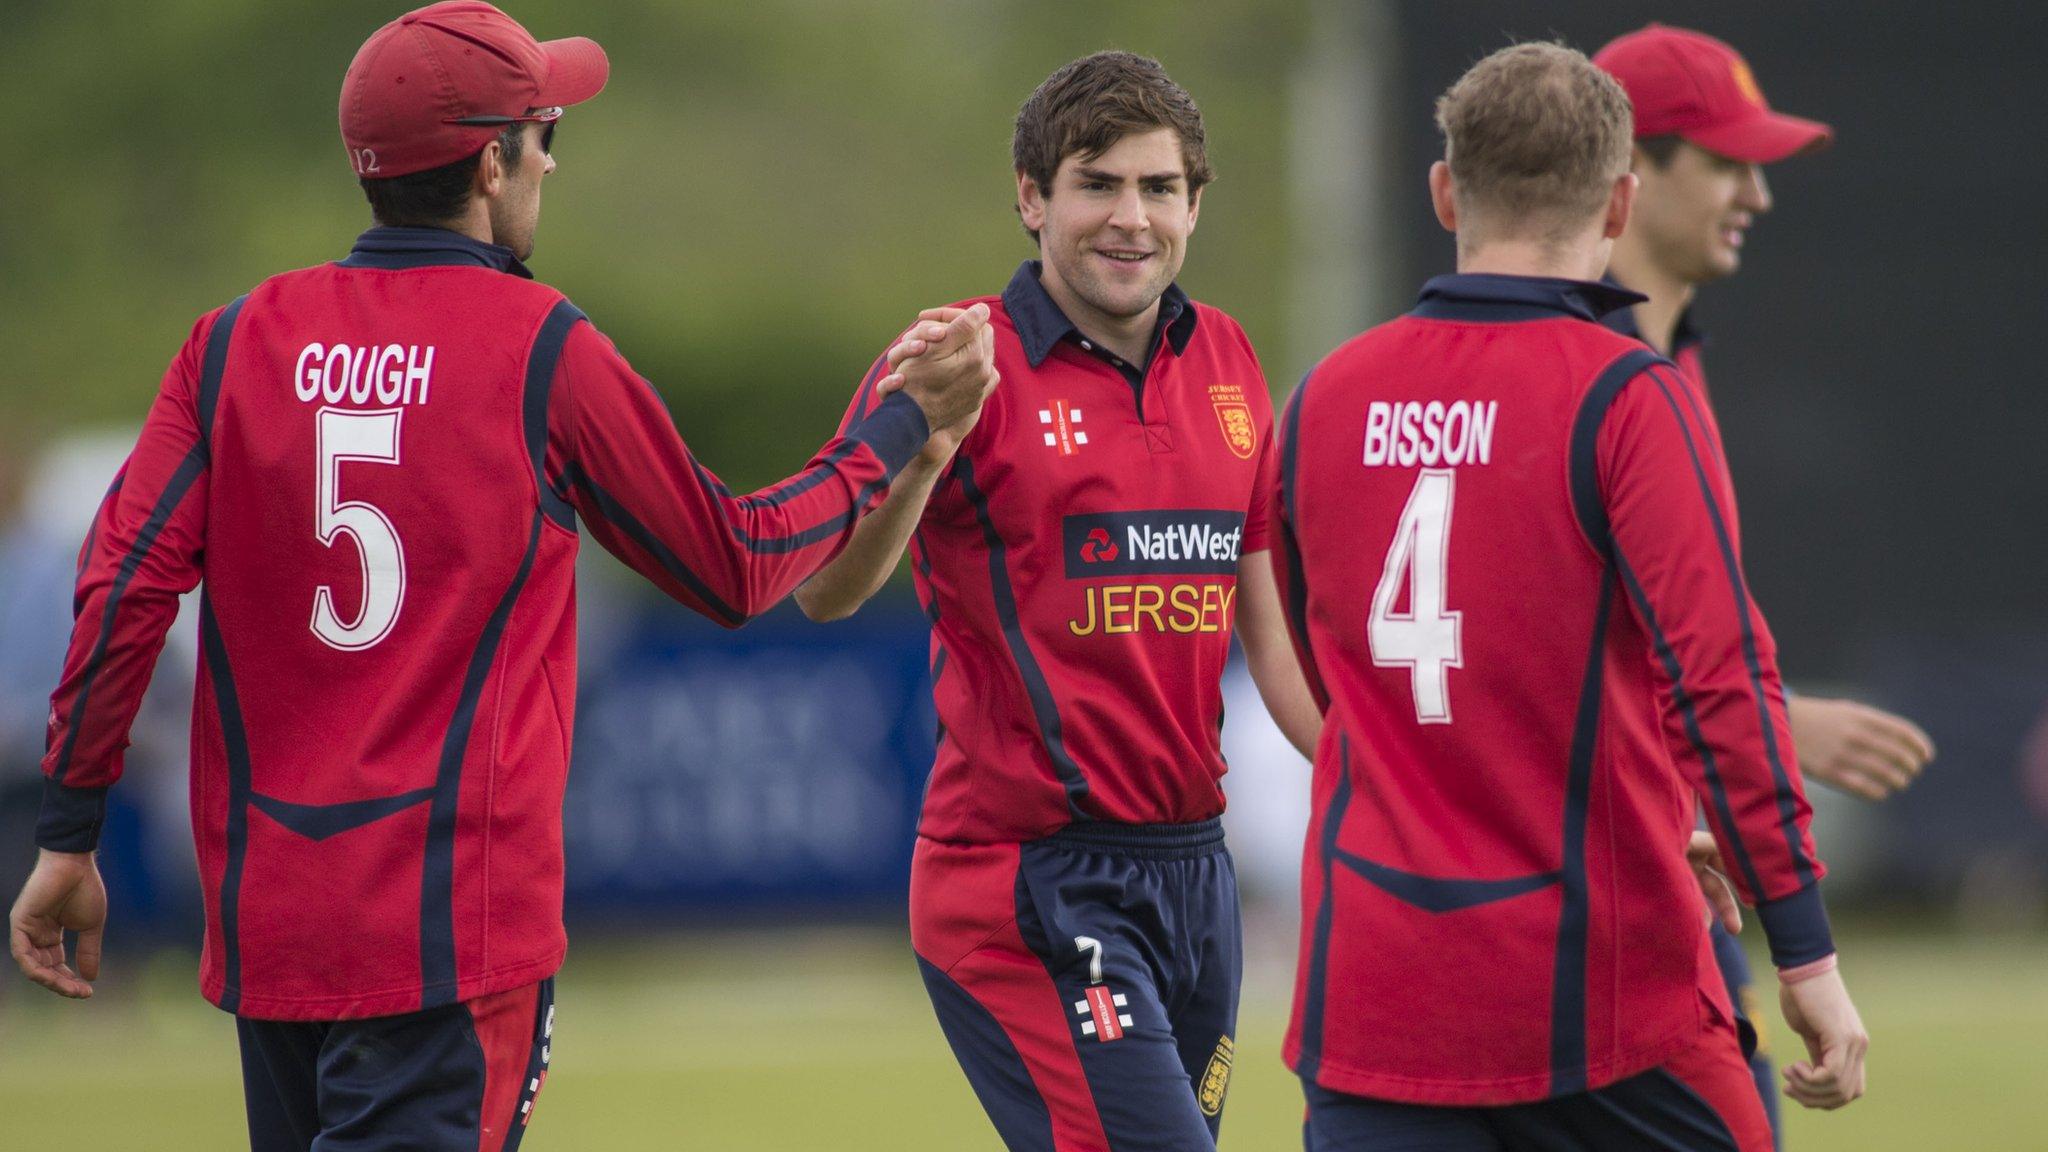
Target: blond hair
[{"x": 1535, "y": 136}]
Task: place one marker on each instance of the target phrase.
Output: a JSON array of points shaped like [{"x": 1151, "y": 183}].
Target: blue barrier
[{"x": 779, "y": 764}]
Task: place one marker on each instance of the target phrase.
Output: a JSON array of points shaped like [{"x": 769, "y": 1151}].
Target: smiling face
[
  {"x": 1692, "y": 212},
  {"x": 1113, "y": 229}
]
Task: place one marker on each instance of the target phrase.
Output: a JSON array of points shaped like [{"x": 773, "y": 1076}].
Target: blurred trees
[{"x": 762, "y": 196}]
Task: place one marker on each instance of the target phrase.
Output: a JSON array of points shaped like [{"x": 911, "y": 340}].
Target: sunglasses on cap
[{"x": 546, "y": 116}]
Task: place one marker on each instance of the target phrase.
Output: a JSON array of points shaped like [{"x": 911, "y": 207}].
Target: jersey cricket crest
[
  {"x": 1216, "y": 1078},
  {"x": 1234, "y": 416},
  {"x": 1063, "y": 424},
  {"x": 1103, "y": 1013}
]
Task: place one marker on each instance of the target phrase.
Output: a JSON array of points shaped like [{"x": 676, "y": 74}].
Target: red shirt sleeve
[
  {"x": 864, "y": 400},
  {"x": 1258, "y": 527},
  {"x": 1671, "y": 521},
  {"x": 1258, "y": 516},
  {"x": 144, "y": 552},
  {"x": 1285, "y": 552},
  {"x": 614, "y": 453}
]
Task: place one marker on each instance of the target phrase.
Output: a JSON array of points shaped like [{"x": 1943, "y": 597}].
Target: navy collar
[
  {"x": 1491, "y": 298},
  {"x": 383, "y": 247},
  {"x": 1623, "y": 320},
  {"x": 1041, "y": 324}
]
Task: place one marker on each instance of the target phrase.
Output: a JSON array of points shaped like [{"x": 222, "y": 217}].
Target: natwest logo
[
  {"x": 1156, "y": 542},
  {"x": 1098, "y": 548},
  {"x": 1191, "y": 541}
]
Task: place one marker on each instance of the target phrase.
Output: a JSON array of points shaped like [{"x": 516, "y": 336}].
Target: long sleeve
[
  {"x": 1286, "y": 551},
  {"x": 144, "y": 551},
  {"x": 615, "y": 455},
  {"x": 1672, "y": 524}
]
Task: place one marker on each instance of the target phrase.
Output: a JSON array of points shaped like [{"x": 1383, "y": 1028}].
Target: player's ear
[
  {"x": 1621, "y": 200},
  {"x": 1030, "y": 201},
  {"x": 1194, "y": 207},
  {"x": 1443, "y": 196},
  {"x": 490, "y": 172}
]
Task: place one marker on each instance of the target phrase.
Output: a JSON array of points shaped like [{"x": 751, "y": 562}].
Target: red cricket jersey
[
  {"x": 1686, "y": 343},
  {"x": 377, "y": 467},
  {"x": 1512, "y": 574},
  {"x": 1687, "y": 340},
  {"x": 1078, "y": 563}
]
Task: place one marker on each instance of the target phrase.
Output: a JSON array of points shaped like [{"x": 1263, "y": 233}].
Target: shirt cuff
[
  {"x": 71, "y": 817},
  {"x": 895, "y": 431},
  {"x": 1797, "y": 927}
]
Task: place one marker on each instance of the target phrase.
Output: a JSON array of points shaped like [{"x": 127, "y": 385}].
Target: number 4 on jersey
[{"x": 1423, "y": 639}]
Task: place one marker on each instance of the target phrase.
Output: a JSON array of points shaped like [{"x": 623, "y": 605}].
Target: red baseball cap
[
  {"x": 417, "y": 79},
  {"x": 1691, "y": 85}
]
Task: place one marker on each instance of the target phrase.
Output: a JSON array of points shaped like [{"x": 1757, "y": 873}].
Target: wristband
[{"x": 1805, "y": 972}]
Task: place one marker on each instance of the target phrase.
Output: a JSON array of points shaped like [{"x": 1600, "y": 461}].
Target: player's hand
[
  {"x": 1819, "y": 1010},
  {"x": 915, "y": 341},
  {"x": 63, "y": 893},
  {"x": 1864, "y": 751},
  {"x": 1705, "y": 857},
  {"x": 951, "y": 374}
]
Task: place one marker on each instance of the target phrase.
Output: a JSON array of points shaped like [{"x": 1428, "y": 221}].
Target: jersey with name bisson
[
  {"x": 1510, "y": 570},
  {"x": 1078, "y": 561}
]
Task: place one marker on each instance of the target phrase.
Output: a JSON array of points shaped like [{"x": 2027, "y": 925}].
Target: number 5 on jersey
[
  {"x": 344, "y": 436},
  {"x": 1424, "y": 639}
]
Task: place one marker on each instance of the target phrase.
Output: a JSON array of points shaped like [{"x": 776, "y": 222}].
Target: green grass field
[{"x": 799, "y": 1040}]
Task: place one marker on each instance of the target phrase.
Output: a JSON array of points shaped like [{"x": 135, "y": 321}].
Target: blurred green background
[
  {"x": 761, "y": 198},
  {"x": 767, "y": 191}
]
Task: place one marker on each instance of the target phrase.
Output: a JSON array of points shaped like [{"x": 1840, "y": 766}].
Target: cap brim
[
  {"x": 577, "y": 70},
  {"x": 1764, "y": 139}
]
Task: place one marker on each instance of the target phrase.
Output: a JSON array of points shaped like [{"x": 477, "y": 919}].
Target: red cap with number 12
[{"x": 436, "y": 85}]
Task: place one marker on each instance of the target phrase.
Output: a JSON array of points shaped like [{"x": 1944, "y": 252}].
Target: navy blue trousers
[
  {"x": 1087, "y": 982},
  {"x": 1701, "y": 1100},
  {"x": 460, "y": 1077}
]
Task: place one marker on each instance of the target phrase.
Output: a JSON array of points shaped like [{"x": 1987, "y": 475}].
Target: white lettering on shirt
[
  {"x": 387, "y": 373},
  {"x": 1405, "y": 433}
]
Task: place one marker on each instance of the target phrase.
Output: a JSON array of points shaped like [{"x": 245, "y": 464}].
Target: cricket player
[
  {"x": 1703, "y": 132},
  {"x": 380, "y": 468},
  {"x": 1703, "y": 135},
  {"x": 1506, "y": 543},
  {"x": 1084, "y": 549}
]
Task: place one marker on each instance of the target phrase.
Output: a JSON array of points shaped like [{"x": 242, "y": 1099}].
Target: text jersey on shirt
[
  {"x": 378, "y": 468},
  {"x": 1506, "y": 560},
  {"x": 1078, "y": 562}
]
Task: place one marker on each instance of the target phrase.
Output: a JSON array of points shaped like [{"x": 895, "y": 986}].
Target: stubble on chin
[{"x": 1121, "y": 304}]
